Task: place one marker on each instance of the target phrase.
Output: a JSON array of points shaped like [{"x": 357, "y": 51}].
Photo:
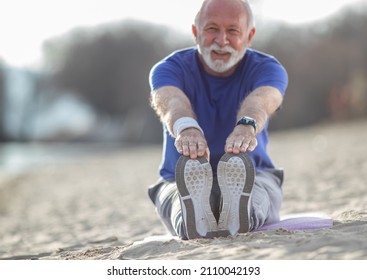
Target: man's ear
[
  {"x": 194, "y": 32},
  {"x": 251, "y": 36}
]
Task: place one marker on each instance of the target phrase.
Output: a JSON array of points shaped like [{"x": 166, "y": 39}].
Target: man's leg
[
  {"x": 166, "y": 199},
  {"x": 266, "y": 197},
  {"x": 261, "y": 207}
]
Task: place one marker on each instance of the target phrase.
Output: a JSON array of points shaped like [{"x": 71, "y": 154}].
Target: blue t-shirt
[{"x": 216, "y": 100}]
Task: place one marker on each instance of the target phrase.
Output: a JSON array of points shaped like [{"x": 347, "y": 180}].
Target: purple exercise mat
[{"x": 300, "y": 223}]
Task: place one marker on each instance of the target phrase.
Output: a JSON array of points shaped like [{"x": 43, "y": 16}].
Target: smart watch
[{"x": 248, "y": 121}]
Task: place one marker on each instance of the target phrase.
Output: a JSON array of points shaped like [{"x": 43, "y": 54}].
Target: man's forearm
[
  {"x": 170, "y": 103},
  {"x": 260, "y": 105}
]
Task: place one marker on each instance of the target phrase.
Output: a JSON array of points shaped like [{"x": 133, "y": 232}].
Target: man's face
[{"x": 222, "y": 36}]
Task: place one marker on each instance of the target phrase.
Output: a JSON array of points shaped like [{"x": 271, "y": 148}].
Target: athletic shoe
[
  {"x": 236, "y": 175},
  {"x": 194, "y": 179}
]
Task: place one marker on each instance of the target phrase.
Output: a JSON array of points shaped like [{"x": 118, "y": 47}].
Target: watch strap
[{"x": 248, "y": 121}]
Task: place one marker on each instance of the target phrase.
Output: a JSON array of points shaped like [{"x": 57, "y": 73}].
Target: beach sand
[{"x": 96, "y": 206}]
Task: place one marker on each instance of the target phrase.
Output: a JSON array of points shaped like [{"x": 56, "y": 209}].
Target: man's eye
[{"x": 234, "y": 31}]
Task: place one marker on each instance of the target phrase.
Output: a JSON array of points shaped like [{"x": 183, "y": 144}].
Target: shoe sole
[
  {"x": 236, "y": 175},
  {"x": 194, "y": 179}
]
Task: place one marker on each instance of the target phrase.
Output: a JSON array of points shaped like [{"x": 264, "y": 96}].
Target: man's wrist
[
  {"x": 184, "y": 123},
  {"x": 245, "y": 120}
]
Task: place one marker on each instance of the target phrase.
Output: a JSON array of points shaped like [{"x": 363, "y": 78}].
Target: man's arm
[
  {"x": 259, "y": 105},
  {"x": 171, "y": 104}
]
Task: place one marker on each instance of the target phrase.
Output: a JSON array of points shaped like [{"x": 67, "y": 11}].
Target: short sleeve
[
  {"x": 166, "y": 73},
  {"x": 271, "y": 73}
]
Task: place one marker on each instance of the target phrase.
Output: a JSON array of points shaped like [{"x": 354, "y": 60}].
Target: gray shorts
[{"x": 265, "y": 203}]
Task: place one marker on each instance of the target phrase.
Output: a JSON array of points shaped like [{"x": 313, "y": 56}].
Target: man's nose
[{"x": 221, "y": 39}]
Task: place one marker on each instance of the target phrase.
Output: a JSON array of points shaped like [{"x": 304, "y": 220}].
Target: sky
[{"x": 24, "y": 24}]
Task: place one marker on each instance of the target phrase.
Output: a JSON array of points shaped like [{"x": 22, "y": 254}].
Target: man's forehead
[
  {"x": 219, "y": 9},
  {"x": 234, "y": 6}
]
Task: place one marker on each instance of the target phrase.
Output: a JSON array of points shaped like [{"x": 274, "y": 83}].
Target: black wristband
[{"x": 248, "y": 121}]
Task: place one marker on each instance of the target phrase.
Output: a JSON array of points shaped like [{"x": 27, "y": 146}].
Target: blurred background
[{"x": 77, "y": 71}]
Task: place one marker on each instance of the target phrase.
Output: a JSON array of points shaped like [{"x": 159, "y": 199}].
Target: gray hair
[{"x": 246, "y": 4}]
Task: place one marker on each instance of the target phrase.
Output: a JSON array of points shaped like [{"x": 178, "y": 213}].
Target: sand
[{"x": 96, "y": 207}]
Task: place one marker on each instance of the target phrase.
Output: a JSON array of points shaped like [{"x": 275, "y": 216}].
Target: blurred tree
[
  {"x": 109, "y": 66},
  {"x": 2, "y": 104},
  {"x": 320, "y": 58}
]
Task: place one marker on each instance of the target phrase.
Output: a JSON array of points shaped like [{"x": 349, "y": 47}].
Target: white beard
[{"x": 219, "y": 65}]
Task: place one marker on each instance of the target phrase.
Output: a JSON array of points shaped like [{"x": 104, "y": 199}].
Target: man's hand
[
  {"x": 242, "y": 139},
  {"x": 191, "y": 142}
]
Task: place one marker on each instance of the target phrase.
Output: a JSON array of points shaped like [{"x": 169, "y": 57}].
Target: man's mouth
[{"x": 220, "y": 54}]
